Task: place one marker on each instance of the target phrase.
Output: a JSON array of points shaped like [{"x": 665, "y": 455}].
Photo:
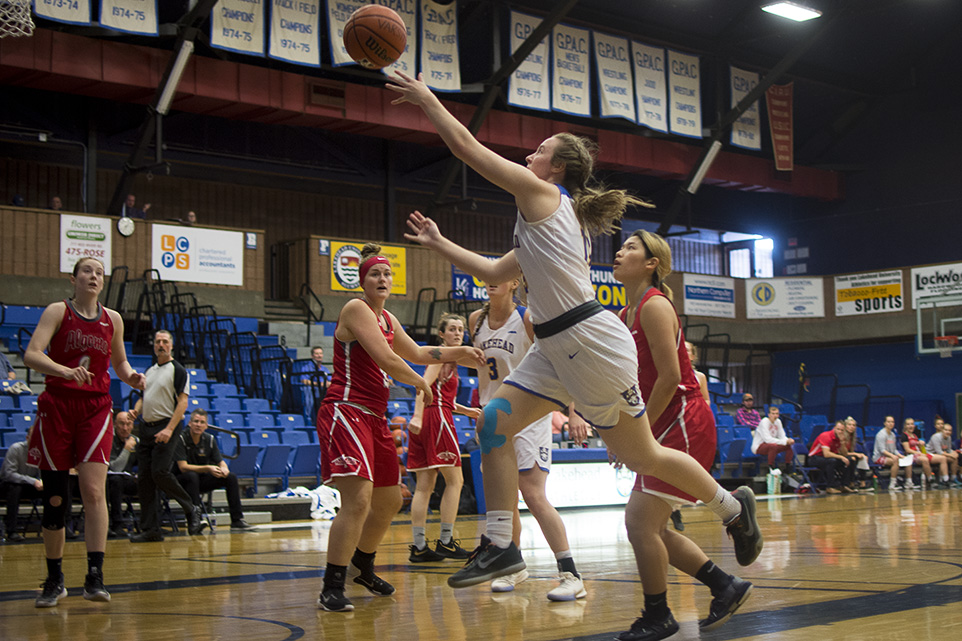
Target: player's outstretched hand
[
  {"x": 423, "y": 230},
  {"x": 412, "y": 90}
]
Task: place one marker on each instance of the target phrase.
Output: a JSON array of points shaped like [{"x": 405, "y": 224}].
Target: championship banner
[
  {"x": 82, "y": 236},
  {"x": 613, "y": 62},
  {"x": 685, "y": 91},
  {"x": 871, "y": 293},
  {"x": 238, "y": 25},
  {"x": 338, "y": 11},
  {"x": 439, "y": 46},
  {"x": 130, "y": 16},
  {"x": 935, "y": 280},
  {"x": 746, "y": 131},
  {"x": 408, "y": 10},
  {"x": 346, "y": 267},
  {"x": 296, "y": 32},
  {"x": 570, "y": 82},
  {"x": 784, "y": 298},
  {"x": 650, "y": 86},
  {"x": 709, "y": 295},
  {"x": 196, "y": 255},
  {"x": 778, "y": 99},
  {"x": 71, "y": 12},
  {"x": 528, "y": 86}
]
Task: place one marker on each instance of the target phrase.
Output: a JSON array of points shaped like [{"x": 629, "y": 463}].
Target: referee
[{"x": 164, "y": 404}]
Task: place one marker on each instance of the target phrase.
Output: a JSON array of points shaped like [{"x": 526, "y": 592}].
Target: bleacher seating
[
  {"x": 305, "y": 464},
  {"x": 27, "y": 403},
  {"x": 294, "y": 437},
  {"x": 265, "y": 437},
  {"x": 724, "y": 420},
  {"x": 9, "y": 437},
  {"x": 290, "y": 421},
  {"x": 260, "y": 421},
  {"x": 274, "y": 464},
  {"x": 21, "y": 422},
  {"x": 226, "y": 404},
  {"x": 244, "y": 466}
]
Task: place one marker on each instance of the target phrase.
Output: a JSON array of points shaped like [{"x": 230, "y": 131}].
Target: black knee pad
[{"x": 54, "y": 486}]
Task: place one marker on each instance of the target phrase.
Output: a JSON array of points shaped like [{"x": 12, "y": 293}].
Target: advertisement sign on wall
[
  {"x": 84, "y": 236},
  {"x": 195, "y": 255},
  {"x": 709, "y": 295},
  {"x": 784, "y": 298},
  {"x": 869, "y": 293},
  {"x": 346, "y": 267}
]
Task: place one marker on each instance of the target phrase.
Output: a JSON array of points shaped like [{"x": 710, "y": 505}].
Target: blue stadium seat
[
  {"x": 197, "y": 375},
  {"x": 260, "y": 421},
  {"x": 305, "y": 463},
  {"x": 244, "y": 466},
  {"x": 273, "y": 465},
  {"x": 294, "y": 437},
  {"x": 27, "y": 403},
  {"x": 265, "y": 437},
  {"x": 259, "y": 405},
  {"x": 199, "y": 388},
  {"x": 290, "y": 421},
  {"x": 197, "y": 402},
  {"x": 226, "y": 404},
  {"x": 8, "y": 437},
  {"x": 7, "y": 403},
  {"x": 223, "y": 389},
  {"x": 21, "y": 422},
  {"x": 724, "y": 420}
]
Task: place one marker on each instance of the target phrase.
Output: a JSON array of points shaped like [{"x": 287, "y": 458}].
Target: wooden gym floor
[{"x": 866, "y": 566}]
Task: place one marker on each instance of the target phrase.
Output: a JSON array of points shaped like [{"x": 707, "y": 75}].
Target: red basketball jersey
[
  {"x": 86, "y": 342},
  {"x": 357, "y": 378},
  {"x": 445, "y": 391}
]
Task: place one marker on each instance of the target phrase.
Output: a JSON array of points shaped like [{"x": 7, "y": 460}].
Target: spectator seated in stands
[
  {"x": 6, "y": 369},
  {"x": 826, "y": 454},
  {"x": 769, "y": 439},
  {"x": 121, "y": 480},
  {"x": 853, "y": 450},
  {"x": 130, "y": 209},
  {"x": 202, "y": 468},
  {"x": 941, "y": 444},
  {"x": 911, "y": 445},
  {"x": 886, "y": 453},
  {"x": 18, "y": 481},
  {"x": 747, "y": 414}
]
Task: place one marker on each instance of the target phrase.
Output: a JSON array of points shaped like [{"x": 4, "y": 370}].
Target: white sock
[
  {"x": 724, "y": 505},
  {"x": 945, "y": 478},
  {"x": 499, "y": 527}
]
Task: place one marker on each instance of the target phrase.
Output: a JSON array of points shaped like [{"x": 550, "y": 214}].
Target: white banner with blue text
[
  {"x": 338, "y": 11},
  {"x": 238, "y": 25},
  {"x": 196, "y": 255},
  {"x": 650, "y": 86},
  {"x": 685, "y": 92},
  {"x": 616, "y": 90},
  {"x": 570, "y": 47},
  {"x": 746, "y": 131},
  {"x": 528, "y": 86},
  {"x": 439, "y": 46},
  {"x": 784, "y": 298},
  {"x": 130, "y": 16},
  {"x": 296, "y": 32},
  {"x": 709, "y": 295},
  {"x": 69, "y": 11}
]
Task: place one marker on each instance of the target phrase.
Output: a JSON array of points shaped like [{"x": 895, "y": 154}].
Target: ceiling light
[{"x": 792, "y": 11}]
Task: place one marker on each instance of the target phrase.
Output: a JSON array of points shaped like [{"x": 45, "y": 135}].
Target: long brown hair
[{"x": 597, "y": 208}]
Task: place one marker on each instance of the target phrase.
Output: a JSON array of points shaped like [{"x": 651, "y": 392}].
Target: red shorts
[
  {"x": 71, "y": 430},
  {"x": 355, "y": 443},
  {"x": 690, "y": 428},
  {"x": 436, "y": 445}
]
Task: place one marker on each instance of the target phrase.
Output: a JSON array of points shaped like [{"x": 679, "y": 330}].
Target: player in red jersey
[
  {"x": 680, "y": 419},
  {"x": 358, "y": 454},
  {"x": 74, "y": 427},
  {"x": 433, "y": 447}
]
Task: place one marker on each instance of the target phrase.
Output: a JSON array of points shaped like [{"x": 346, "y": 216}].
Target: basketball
[{"x": 375, "y": 36}]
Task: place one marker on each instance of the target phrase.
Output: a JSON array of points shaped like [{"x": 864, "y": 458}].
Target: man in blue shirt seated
[{"x": 6, "y": 369}]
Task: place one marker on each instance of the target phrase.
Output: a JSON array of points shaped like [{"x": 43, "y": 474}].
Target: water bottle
[{"x": 875, "y": 482}]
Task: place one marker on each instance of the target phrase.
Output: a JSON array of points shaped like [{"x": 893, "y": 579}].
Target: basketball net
[
  {"x": 15, "y": 20},
  {"x": 945, "y": 345}
]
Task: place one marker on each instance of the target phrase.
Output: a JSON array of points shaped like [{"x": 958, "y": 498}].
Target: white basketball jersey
[
  {"x": 503, "y": 349},
  {"x": 554, "y": 254}
]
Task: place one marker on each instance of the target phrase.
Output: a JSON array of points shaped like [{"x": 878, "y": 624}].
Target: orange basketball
[{"x": 375, "y": 36}]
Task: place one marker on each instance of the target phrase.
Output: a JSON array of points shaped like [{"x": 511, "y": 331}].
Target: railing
[{"x": 308, "y": 299}]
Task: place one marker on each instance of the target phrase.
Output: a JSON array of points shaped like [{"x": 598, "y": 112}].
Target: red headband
[{"x": 371, "y": 262}]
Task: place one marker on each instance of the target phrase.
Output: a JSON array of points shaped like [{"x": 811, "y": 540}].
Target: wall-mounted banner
[
  {"x": 196, "y": 255},
  {"x": 338, "y": 11},
  {"x": 746, "y": 131},
  {"x": 296, "y": 32},
  {"x": 464, "y": 284},
  {"x": 608, "y": 291},
  {"x": 440, "y": 62},
  {"x": 870, "y": 293},
  {"x": 685, "y": 94},
  {"x": 82, "y": 236},
  {"x": 408, "y": 10},
  {"x": 784, "y": 298},
  {"x": 650, "y": 86},
  {"x": 778, "y": 99},
  {"x": 130, "y": 16},
  {"x": 346, "y": 267},
  {"x": 935, "y": 280},
  {"x": 529, "y": 85},
  {"x": 72, "y": 12},
  {"x": 238, "y": 25},
  {"x": 616, "y": 91},
  {"x": 570, "y": 83},
  {"x": 709, "y": 295}
]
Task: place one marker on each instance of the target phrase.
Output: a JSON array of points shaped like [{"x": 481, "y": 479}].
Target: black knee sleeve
[{"x": 54, "y": 487}]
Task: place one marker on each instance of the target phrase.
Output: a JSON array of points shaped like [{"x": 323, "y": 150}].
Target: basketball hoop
[
  {"x": 15, "y": 20},
  {"x": 945, "y": 345}
]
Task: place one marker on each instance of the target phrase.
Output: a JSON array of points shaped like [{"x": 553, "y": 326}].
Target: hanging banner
[
  {"x": 130, "y": 16},
  {"x": 528, "y": 86},
  {"x": 871, "y": 293},
  {"x": 650, "y": 86},
  {"x": 83, "y": 236},
  {"x": 338, "y": 11},
  {"x": 746, "y": 131},
  {"x": 685, "y": 91},
  {"x": 196, "y": 255},
  {"x": 784, "y": 298},
  {"x": 346, "y": 267},
  {"x": 935, "y": 281},
  {"x": 295, "y": 32},
  {"x": 778, "y": 99},
  {"x": 72, "y": 12},
  {"x": 439, "y": 46},
  {"x": 709, "y": 295},
  {"x": 615, "y": 86},
  {"x": 570, "y": 82},
  {"x": 238, "y": 25}
]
